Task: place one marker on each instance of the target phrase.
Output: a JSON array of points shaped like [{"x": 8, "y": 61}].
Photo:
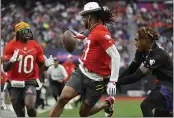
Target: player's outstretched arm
[
  {"x": 133, "y": 66},
  {"x": 46, "y": 63},
  {"x": 138, "y": 75},
  {"x": 78, "y": 35},
  {"x": 115, "y": 65},
  {"x": 130, "y": 70}
]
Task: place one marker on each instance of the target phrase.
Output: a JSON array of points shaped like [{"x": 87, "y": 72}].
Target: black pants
[
  {"x": 17, "y": 98},
  {"x": 155, "y": 100},
  {"x": 90, "y": 90},
  {"x": 162, "y": 113},
  {"x": 56, "y": 88},
  {"x": 39, "y": 100}
]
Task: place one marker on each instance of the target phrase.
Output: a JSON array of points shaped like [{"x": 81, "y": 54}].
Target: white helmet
[{"x": 90, "y": 7}]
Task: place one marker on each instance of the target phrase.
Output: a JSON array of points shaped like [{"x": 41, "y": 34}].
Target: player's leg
[
  {"x": 162, "y": 113},
  {"x": 38, "y": 92},
  {"x": 62, "y": 85},
  {"x": 154, "y": 100},
  {"x": 30, "y": 100},
  {"x": 93, "y": 92},
  {"x": 67, "y": 94},
  {"x": 17, "y": 100},
  {"x": 55, "y": 87},
  {"x": 87, "y": 110},
  {"x": 71, "y": 89},
  {"x": 77, "y": 100}
]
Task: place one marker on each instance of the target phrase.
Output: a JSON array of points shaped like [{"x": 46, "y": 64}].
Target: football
[{"x": 69, "y": 43}]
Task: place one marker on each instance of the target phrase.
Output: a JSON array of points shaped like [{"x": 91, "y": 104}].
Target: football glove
[
  {"x": 49, "y": 61},
  {"x": 15, "y": 56},
  {"x": 111, "y": 88}
]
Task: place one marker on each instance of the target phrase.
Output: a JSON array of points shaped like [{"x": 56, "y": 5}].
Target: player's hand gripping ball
[{"x": 69, "y": 43}]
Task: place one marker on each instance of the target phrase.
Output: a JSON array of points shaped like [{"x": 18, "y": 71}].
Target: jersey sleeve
[
  {"x": 138, "y": 57},
  {"x": 40, "y": 56},
  {"x": 154, "y": 62},
  {"x": 8, "y": 51},
  {"x": 105, "y": 40}
]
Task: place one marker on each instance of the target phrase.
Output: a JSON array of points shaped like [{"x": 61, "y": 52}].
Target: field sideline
[{"x": 124, "y": 107}]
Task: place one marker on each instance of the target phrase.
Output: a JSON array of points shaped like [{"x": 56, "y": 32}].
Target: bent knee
[
  {"x": 145, "y": 104},
  {"x": 84, "y": 110},
  {"x": 30, "y": 106},
  {"x": 64, "y": 98}
]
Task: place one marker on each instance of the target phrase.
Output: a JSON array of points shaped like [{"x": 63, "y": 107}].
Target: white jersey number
[
  {"x": 25, "y": 60},
  {"x": 86, "y": 49}
]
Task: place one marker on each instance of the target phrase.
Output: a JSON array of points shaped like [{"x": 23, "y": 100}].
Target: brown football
[{"x": 69, "y": 43}]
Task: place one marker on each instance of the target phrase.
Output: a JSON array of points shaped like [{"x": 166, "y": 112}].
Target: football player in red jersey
[
  {"x": 99, "y": 63},
  {"x": 19, "y": 60},
  {"x": 69, "y": 66}
]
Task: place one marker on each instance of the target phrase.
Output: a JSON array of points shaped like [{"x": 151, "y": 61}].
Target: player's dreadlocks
[
  {"x": 146, "y": 33},
  {"x": 104, "y": 14}
]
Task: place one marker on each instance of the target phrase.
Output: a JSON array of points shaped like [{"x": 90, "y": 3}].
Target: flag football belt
[
  {"x": 88, "y": 70},
  {"x": 22, "y": 84},
  {"x": 107, "y": 77}
]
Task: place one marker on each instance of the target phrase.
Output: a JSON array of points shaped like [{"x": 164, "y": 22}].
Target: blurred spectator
[
  {"x": 57, "y": 75},
  {"x": 69, "y": 66},
  {"x": 50, "y": 19}
]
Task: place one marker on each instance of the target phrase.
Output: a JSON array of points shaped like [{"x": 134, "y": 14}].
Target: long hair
[{"x": 105, "y": 15}]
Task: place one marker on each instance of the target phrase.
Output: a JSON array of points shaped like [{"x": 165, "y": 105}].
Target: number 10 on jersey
[{"x": 23, "y": 63}]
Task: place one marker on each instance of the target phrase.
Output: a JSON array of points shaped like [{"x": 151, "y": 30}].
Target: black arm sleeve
[
  {"x": 7, "y": 65},
  {"x": 131, "y": 78},
  {"x": 42, "y": 67},
  {"x": 138, "y": 59},
  {"x": 131, "y": 69}
]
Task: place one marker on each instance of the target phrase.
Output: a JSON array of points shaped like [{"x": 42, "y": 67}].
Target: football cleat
[{"x": 109, "y": 110}]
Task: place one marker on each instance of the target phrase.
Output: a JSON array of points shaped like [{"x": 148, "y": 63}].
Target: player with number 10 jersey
[
  {"x": 29, "y": 55},
  {"x": 21, "y": 59}
]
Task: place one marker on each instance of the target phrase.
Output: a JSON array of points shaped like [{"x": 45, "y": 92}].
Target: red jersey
[
  {"x": 94, "y": 55},
  {"x": 69, "y": 67},
  {"x": 29, "y": 55}
]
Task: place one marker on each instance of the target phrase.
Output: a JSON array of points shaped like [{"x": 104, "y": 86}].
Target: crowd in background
[{"x": 49, "y": 21}]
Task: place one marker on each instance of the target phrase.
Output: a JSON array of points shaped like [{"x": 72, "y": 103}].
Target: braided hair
[{"x": 147, "y": 33}]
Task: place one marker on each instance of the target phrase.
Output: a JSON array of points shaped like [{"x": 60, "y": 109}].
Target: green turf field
[{"x": 122, "y": 108}]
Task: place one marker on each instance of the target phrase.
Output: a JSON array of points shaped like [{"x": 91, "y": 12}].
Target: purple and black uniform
[
  {"x": 159, "y": 63},
  {"x": 162, "y": 68}
]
